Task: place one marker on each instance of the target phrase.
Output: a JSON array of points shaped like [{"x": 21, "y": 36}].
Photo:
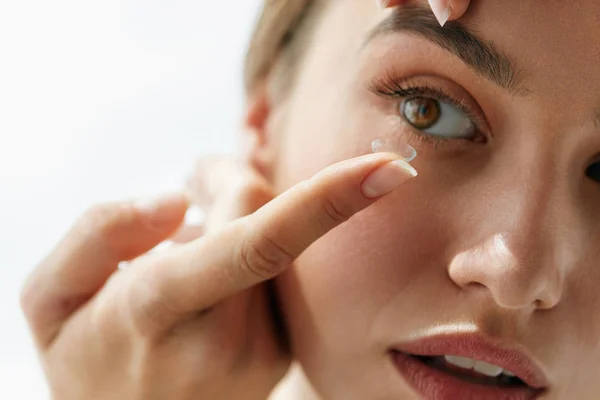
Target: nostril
[
  {"x": 593, "y": 172},
  {"x": 476, "y": 286}
]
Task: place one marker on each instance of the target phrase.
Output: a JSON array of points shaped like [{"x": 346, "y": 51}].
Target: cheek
[
  {"x": 327, "y": 130},
  {"x": 326, "y": 118},
  {"x": 397, "y": 247},
  {"x": 336, "y": 289}
]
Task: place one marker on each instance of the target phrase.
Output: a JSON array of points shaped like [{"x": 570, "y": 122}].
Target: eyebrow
[{"x": 482, "y": 57}]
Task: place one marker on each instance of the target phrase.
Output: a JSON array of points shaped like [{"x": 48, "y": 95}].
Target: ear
[{"x": 257, "y": 147}]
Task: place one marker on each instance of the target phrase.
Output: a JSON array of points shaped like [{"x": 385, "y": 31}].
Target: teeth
[
  {"x": 508, "y": 373},
  {"x": 487, "y": 369},
  {"x": 479, "y": 366},
  {"x": 463, "y": 362}
]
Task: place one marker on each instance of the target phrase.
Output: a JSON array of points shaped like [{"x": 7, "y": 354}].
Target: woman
[{"x": 475, "y": 280}]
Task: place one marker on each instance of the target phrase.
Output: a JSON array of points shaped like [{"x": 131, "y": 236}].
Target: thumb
[{"x": 90, "y": 253}]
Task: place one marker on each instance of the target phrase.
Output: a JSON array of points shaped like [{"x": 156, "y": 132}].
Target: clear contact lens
[{"x": 394, "y": 145}]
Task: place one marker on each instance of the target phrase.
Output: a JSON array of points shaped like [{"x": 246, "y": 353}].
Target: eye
[
  {"x": 593, "y": 172},
  {"x": 439, "y": 118}
]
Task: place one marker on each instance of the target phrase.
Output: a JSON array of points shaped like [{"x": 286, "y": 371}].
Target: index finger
[{"x": 258, "y": 247}]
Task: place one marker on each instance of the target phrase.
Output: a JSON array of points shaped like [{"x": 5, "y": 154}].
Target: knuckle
[
  {"x": 263, "y": 257},
  {"x": 335, "y": 210},
  {"x": 253, "y": 194},
  {"x": 147, "y": 305}
]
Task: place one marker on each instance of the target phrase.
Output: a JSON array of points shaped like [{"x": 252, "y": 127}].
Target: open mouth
[
  {"x": 448, "y": 377},
  {"x": 473, "y": 371}
]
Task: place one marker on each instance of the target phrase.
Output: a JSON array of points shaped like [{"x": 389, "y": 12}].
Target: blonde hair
[{"x": 276, "y": 38}]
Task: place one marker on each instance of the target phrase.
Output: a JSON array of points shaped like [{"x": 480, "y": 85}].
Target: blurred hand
[
  {"x": 444, "y": 10},
  {"x": 191, "y": 322}
]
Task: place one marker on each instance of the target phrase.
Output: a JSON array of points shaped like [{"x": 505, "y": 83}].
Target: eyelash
[{"x": 395, "y": 88}]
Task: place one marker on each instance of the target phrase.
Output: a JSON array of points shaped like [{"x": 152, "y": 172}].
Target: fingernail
[
  {"x": 442, "y": 9},
  {"x": 163, "y": 209},
  {"x": 383, "y": 3},
  {"x": 388, "y": 178}
]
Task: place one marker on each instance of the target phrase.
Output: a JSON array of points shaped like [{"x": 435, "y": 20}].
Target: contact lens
[{"x": 394, "y": 145}]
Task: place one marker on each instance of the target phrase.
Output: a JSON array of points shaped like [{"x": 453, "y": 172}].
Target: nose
[
  {"x": 520, "y": 254},
  {"x": 514, "y": 281}
]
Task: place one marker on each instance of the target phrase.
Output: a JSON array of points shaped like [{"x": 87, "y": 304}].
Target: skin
[
  {"x": 524, "y": 273},
  {"x": 504, "y": 235},
  {"x": 444, "y": 10},
  {"x": 194, "y": 321}
]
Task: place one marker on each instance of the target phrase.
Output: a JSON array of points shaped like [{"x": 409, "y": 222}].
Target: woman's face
[{"x": 495, "y": 243}]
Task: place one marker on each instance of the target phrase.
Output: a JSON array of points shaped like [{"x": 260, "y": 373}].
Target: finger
[
  {"x": 262, "y": 245},
  {"x": 187, "y": 233},
  {"x": 445, "y": 10},
  {"x": 245, "y": 194},
  {"x": 192, "y": 227},
  {"x": 210, "y": 177},
  {"x": 458, "y": 8},
  {"x": 88, "y": 255}
]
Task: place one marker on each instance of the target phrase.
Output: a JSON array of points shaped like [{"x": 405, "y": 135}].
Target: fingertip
[
  {"x": 165, "y": 210},
  {"x": 387, "y": 178},
  {"x": 458, "y": 8}
]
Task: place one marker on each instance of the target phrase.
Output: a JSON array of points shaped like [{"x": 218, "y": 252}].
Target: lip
[{"x": 437, "y": 385}]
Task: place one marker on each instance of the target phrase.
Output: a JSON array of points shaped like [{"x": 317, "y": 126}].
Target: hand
[
  {"x": 191, "y": 322},
  {"x": 444, "y": 10}
]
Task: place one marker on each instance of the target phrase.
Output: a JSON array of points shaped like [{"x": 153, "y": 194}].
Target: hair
[{"x": 281, "y": 36}]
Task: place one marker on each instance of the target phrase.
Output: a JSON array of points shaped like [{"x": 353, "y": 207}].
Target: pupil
[{"x": 422, "y": 112}]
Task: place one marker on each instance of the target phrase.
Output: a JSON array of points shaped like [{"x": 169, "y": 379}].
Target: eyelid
[{"x": 394, "y": 86}]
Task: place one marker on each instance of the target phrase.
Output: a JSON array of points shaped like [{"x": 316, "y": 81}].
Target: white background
[{"x": 98, "y": 101}]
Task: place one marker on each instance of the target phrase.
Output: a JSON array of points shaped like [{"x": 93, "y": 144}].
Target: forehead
[{"x": 555, "y": 44}]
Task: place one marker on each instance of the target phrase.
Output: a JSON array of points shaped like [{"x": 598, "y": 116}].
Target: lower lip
[{"x": 433, "y": 384}]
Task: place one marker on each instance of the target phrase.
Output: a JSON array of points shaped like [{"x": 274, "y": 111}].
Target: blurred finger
[
  {"x": 87, "y": 256},
  {"x": 187, "y": 233},
  {"x": 211, "y": 176},
  {"x": 192, "y": 227},
  {"x": 245, "y": 194}
]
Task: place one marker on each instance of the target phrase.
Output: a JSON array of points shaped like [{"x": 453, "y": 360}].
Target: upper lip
[{"x": 482, "y": 349}]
